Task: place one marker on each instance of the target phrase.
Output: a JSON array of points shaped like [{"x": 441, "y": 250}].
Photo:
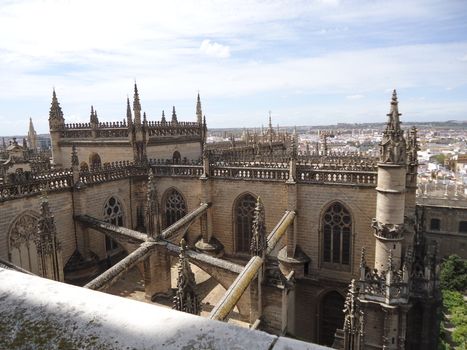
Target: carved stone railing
[
  {"x": 339, "y": 161},
  {"x": 156, "y": 128},
  {"x": 262, "y": 152},
  {"x": 111, "y": 132},
  {"x": 51, "y": 182},
  {"x": 76, "y": 133},
  {"x": 184, "y": 161},
  {"x": 252, "y": 173},
  {"x": 306, "y": 174},
  {"x": 178, "y": 170},
  {"x": 109, "y": 172}
]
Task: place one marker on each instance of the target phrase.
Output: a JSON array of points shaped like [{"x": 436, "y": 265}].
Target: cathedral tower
[{"x": 391, "y": 188}]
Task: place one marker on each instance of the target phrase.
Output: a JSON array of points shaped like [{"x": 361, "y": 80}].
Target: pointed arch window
[
  {"x": 95, "y": 161},
  {"x": 244, "y": 214},
  {"x": 176, "y": 157},
  {"x": 22, "y": 242},
  {"x": 174, "y": 207},
  {"x": 113, "y": 214},
  {"x": 337, "y": 231}
]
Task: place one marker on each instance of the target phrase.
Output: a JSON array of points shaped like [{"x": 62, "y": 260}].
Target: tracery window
[
  {"x": 174, "y": 207},
  {"x": 337, "y": 228},
  {"x": 113, "y": 214},
  {"x": 244, "y": 214},
  {"x": 22, "y": 242}
]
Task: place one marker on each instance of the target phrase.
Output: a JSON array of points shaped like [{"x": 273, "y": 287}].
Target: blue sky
[{"x": 309, "y": 62}]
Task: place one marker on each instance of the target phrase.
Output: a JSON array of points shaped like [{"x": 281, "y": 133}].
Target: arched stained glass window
[
  {"x": 113, "y": 214},
  {"x": 337, "y": 230},
  {"x": 174, "y": 207},
  {"x": 244, "y": 214}
]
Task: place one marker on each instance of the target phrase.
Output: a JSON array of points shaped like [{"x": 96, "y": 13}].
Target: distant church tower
[
  {"x": 32, "y": 136},
  {"x": 56, "y": 127}
]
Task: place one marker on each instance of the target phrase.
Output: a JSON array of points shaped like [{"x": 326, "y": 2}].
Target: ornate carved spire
[
  {"x": 74, "y": 156},
  {"x": 47, "y": 244},
  {"x": 412, "y": 147},
  {"x": 258, "y": 239},
  {"x": 362, "y": 258},
  {"x": 174, "y": 116},
  {"x": 93, "y": 117},
  {"x": 128, "y": 112},
  {"x": 32, "y": 136},
  {"x": 137, "y": 106},
  {"x": 353, "y": 319},
  {"x": 293, "y": 151},
  {"x": 152, "y": 211},
  {"x": 56, "y": 120},
  {"x": 145, "y": 121},
  {"x": 392, "y": 146},
  {"x": 186, "y": 299},
  {"x": 199, "y": 112},
  {"x": 163, "y": 121}
]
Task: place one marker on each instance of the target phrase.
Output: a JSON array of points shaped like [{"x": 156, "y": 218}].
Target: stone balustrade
[
  {"x": 306, "y": 174},
  {"x": 262, "y": 171},
  {"x": 34, "y": 186},
  {"x": 178, "y": 170},
  {"x": 253, "y": 173}
]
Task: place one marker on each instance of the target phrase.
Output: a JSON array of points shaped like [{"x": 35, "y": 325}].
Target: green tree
[{"x": 454, "y": 274}]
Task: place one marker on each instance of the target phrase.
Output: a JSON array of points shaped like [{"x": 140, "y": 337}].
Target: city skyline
[{"x": 310, "y": 63}]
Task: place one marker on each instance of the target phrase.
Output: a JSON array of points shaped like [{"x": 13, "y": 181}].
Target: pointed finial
[
  {"x": 163, "y": 118},
  {"x": 152, "y": 207},
  {"x": 390, "y": 260},
  {"x": 258, "y": 239},
  {"x": 199, "y": 112},
  {"x": 74, "y": 156},
  {"x": 56, "y": 119},
  {"x": 270, "y": 121},
  {"x": 186, "y": 298},
  {"x": 362, "y": 258},
  {"x": 128, "y": 111},
  {"x": 174, "y": 115}
]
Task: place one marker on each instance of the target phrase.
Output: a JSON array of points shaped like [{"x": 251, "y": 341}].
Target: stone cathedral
[{"x": 324, "y": 247}]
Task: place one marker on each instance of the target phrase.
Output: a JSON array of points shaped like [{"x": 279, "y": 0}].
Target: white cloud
[
  {"x": 48, "y": 43},
  {"x": 354, "y": 97},
  {"x": 214, "y": 49}
]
